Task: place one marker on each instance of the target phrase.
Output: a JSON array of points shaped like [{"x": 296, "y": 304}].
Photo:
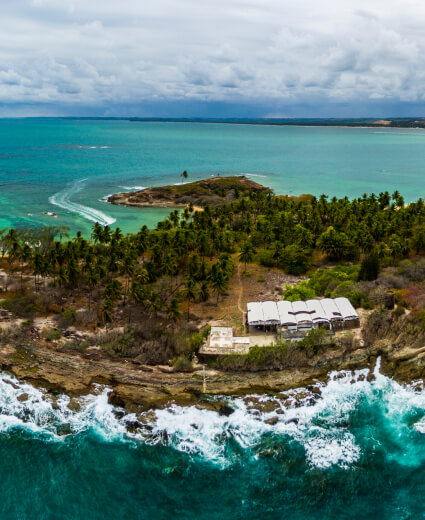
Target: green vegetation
[
  {"x": 155, "y": 278},
  {"x": 338, "y": 281}
]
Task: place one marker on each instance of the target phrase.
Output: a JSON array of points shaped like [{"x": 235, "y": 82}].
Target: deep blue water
[
  {"x": 355, "y": 450},
  {"x": 76, "y": 163}
]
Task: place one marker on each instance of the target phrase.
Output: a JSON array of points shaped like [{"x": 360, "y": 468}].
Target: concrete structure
[{"x": 221, "y": 341}]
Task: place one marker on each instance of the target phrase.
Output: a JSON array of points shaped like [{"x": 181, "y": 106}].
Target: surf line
[{"x": 63, "y": 200}]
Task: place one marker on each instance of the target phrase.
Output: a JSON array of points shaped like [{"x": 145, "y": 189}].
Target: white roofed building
[
  {"x": 270, "y": 313},
  {"x": 347, "y": 310},
  {"x": 286, "y": 315},
  {"x": 255, "y": 316},
  {"x": 317, "y": 313}
]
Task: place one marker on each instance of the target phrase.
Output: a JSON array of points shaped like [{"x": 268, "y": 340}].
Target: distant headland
[{"x": 418, "y": 122}]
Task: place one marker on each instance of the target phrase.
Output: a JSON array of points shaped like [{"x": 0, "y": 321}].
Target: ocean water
[
  {"x": 351, "y": 449},
  {"x": 68, "y": 167}
]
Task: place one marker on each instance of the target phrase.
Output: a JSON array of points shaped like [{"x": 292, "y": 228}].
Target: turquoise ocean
[
  {"x": 68, "y": 167},
  {"x": 353, "y": 447}
]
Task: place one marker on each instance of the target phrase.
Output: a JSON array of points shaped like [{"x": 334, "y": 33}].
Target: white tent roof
[
  {"x": 299, "y": 306},
  {"x": 316, "y": 311},
  {"x": 255, "y": 314},
  {"x": 285, "y": 313},
  {"x": 271, "y": 314},
  {"x": 303, "y": 317},
  {"x": 331, "y": 310},
  {"x": 345, "y": 307}
]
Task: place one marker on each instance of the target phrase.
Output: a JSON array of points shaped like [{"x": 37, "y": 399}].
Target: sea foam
[
  {"x": 63, "y": 200},
  {"x": 333, "y": 422}
]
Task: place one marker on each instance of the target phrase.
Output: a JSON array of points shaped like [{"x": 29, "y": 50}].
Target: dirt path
[{"x": 240, "y": 293}]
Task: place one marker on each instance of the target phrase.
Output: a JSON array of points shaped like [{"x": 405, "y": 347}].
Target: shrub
[
  {"x": 302, "y": 291},
  {"x": 51, "y": 334},
  {"x": 67, "y": 318},
  {"x": 22, "y": 306},
  {"x": 182, "y": 363},
  {"x": 369, "y": 268},
  {"x": 295, "y": 259},
  {"x": 265, "y": 258},
  {"x": 196, "y": 341}
]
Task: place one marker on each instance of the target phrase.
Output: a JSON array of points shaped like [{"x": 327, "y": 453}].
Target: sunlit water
[
  {"x": 352, "y": 448},
  {"x": 68, "y": 167}
]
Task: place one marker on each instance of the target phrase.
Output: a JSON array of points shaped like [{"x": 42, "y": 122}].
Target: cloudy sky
[{"x": 216, "y": 58}]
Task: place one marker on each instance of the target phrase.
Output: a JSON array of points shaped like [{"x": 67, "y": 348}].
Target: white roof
[
  {"x": 285, "y": 313},
  {"x": 303, "y": 317},
  {"x": 270, "y": 312},
  {"x": 331, "y": 310},
  {"x": 316, "y": 311},
  {"x": 255, "y": 314},
  {"x": 299, "y": 306},
  {"x": 346, "y": 309}
]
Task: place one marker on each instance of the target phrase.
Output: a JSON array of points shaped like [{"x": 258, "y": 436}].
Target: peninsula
[{"x": 135, "y": 311}]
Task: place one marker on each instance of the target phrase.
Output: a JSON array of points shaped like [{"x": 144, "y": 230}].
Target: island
[{"x": 215, "y": 191}]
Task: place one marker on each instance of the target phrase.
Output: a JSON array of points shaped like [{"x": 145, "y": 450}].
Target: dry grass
[{"x": 257, "y": 284}]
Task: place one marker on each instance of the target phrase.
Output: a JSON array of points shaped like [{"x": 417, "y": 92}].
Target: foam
[
  {"x": 62, "y": 199},
  {"x": 318, "y": 419},
  {"x": 132, "y": 188}
]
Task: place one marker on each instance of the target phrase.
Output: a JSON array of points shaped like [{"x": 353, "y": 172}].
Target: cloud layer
[{"x": 278, "y": 57}]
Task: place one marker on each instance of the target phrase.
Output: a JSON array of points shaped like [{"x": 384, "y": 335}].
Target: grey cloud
[{"x": 242, "y": 52}]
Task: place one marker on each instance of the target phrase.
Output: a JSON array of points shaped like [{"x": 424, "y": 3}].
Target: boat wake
[{"x": 63, "y": 200}]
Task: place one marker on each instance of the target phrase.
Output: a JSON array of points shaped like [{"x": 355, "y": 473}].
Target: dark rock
[
  {"x": 64, "y": 429},
  {"x": 74, "y": 405},
  {"x": 133, "y": 426},
  {"x": 225, "y": 410},
  {"x": 294, "y": 420},
  {"x": 272, "y": 421},
  {"x": 23, "y": 397}
]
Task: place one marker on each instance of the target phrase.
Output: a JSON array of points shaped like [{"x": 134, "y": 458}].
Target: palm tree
[
  {"x": 25, "y": 255},
  {"x": 189, "y": 294},
  {"x": 92, "y": 279},
  {"x": 218, "y": 281},
  {"x": 204, "y": 292},
  {"x": 185, "y": 175},
  {"x": 173, "y": 310},
  {"x": 247, "y": 253},
  {"x": 38, "y": 268},
  {"x": 97, "y": 233},
  {"x": 127, "y": 269}
]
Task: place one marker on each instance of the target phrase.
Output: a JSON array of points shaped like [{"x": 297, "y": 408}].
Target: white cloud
[{"x": 82, "y": 52}]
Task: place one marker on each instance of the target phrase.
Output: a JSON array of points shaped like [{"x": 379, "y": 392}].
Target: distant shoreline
[{"x": 407, "y": 123}]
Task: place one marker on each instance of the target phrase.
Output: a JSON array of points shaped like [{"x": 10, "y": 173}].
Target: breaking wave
[
  {"x": 62, "y": 199},
  {"x": 132, "y": 188},
  {"x": 351, "y": 418}
]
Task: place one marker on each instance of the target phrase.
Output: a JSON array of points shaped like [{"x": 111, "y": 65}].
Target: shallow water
[
  {"x": 69, "y": 166},
  {"x": 353, "y": 448}
]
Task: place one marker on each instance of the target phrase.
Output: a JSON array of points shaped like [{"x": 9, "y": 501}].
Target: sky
[{"x": 212, "y": 58}]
